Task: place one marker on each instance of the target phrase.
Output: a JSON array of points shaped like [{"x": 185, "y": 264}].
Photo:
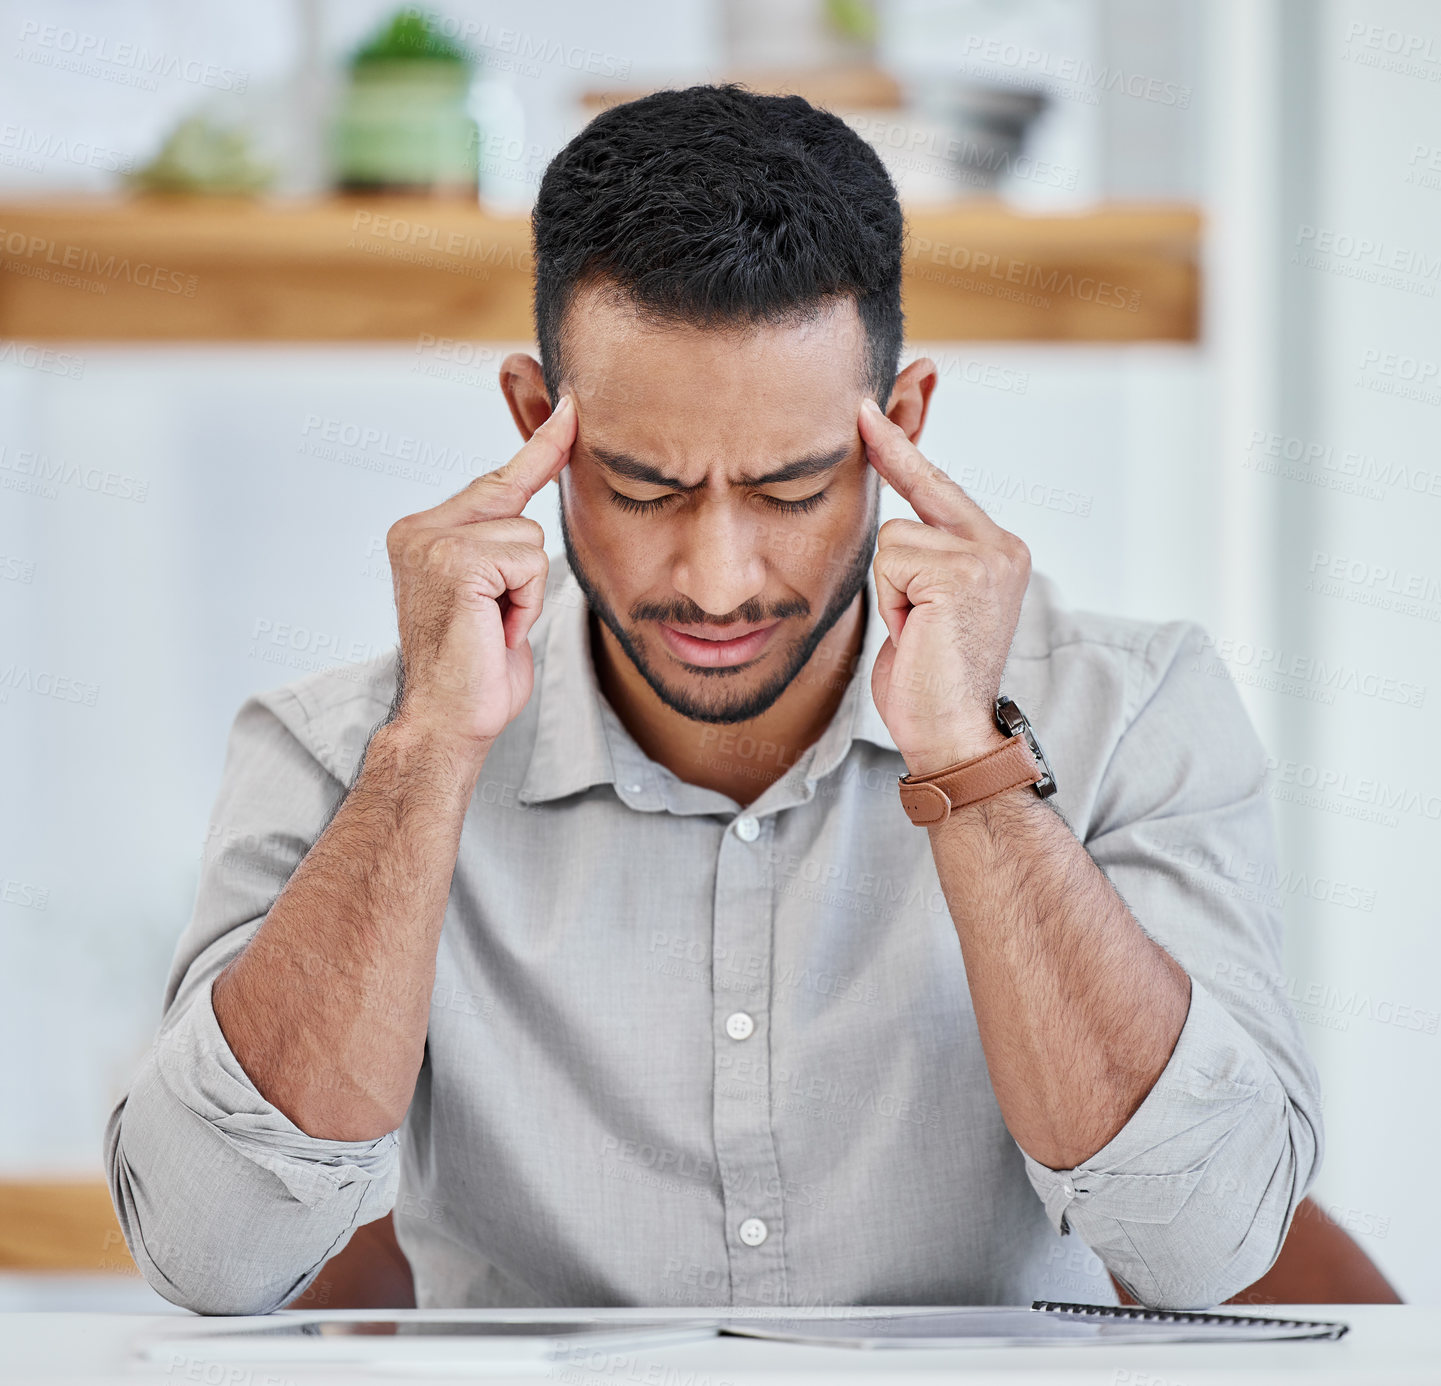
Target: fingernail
[
  {"x": 870, "y": 406},
  {"x": 564, "y": 404}
]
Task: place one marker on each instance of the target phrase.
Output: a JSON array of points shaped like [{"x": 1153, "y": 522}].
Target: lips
[
  {"x": 721, "y": 633},
  {"x": 712, "y": 653}
]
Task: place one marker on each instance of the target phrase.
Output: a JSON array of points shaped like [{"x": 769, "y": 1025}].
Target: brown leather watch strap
[{"x": 929, "y": 799}]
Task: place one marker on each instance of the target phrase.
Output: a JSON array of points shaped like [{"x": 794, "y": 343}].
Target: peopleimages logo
[
  {"x": 989, "y": 272},
  {"x": 1338, "y": 469},
  {"x": 1062, "y": 69},
  {"x": 126, "y": 64},
  {"x": 522, "y": 47},
  {"x": 1359, "y": 796},
  {"x": 1393, "y": 50},
  {"x": 1395, "y": 373},
  {"x": 36, "y": 473},
  {"x": 1378, "y": 585},
  {"x": 1369, "y": 259},
  {"x": 1224, "y": 873},
  {"x": 39, "y": 253},
  {"x": 33, "y": 149},
  {"x": 38, "y": 358},
  {"x": 1305, "y": 676}
]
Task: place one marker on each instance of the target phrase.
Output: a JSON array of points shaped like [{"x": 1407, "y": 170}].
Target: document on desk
[
  {"x": 515, "y": 1344},
  {"x": 415, "y": 1342},
  {"x": 1046, "y": 1321}
]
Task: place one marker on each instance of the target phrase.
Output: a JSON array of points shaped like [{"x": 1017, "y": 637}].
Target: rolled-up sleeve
[
  {"x": 226, "y": 1205},
  {"x": 1190, "y": 1202}
]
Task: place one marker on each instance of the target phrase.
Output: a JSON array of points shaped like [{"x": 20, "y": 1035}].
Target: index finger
[
  {"x": 936, "y": 497},
  {"x": 504, "y": 493}
]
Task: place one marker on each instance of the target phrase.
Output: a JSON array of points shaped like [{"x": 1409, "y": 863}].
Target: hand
[
  {"x": 469, "y": 584},
  {"x": 949, "y": 590}
]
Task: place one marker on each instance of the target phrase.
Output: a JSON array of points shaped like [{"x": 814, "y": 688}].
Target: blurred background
[{"x": 1176, "y": 260}]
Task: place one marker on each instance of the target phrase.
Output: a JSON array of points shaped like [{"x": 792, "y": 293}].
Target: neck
[{"x": 739, "y": 759}]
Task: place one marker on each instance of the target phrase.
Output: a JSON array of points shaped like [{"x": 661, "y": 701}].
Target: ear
[
  {"x": 911, "y": 397},
  {"x": 522, "y": 382}
]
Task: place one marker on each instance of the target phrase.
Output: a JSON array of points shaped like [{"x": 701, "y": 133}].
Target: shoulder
[
  {"x": 333, "y": 711},
  {"x": 1129, "y": 711},
  {"x": 1129, "y": 657}
]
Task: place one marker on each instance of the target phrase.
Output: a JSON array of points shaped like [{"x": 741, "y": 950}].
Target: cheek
[
  {"x": 588, "y": 511},
  {"x": 814, "y": 552},
  {"x": 602, "y": 531}
]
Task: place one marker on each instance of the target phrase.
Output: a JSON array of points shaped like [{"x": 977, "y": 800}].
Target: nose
[{"x": 718, "y": 564}]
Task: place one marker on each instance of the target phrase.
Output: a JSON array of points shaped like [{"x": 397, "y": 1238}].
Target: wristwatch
[{"x": 929, "y": 799}]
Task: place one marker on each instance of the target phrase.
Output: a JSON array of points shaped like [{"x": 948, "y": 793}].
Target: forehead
[{"x": 694, "y": 396}]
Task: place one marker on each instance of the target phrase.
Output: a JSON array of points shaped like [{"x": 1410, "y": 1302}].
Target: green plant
[
  {"x": 852, "y": 19},
  {"x": 411, "y": 34}
]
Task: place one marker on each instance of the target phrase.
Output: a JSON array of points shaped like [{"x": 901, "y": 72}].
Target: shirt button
[
  {"x": 747, "y": 829},
  {"x": 740, "y": 1026},
  {"x": 753, "y": 1231},
  {"x": 1069, "y": 1189},
  {"x": 633, "y": 789}
]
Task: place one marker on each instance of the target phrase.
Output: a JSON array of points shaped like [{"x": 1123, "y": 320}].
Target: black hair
[{"x": 718, "y": 207}]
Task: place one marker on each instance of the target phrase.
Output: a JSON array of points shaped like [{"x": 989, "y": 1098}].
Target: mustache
[{"x": 751, "y": 614}]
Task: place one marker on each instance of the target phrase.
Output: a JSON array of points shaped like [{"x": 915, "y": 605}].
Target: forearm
[
  {"x": 1078, "y": 1010},
  {"x": 327, "y": 1007}
]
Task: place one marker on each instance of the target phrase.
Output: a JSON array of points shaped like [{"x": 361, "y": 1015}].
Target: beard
[{"x": 715, "y": 701}]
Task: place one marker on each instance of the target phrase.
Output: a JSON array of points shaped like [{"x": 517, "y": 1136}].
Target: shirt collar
[{"x": 579, "y": 738}]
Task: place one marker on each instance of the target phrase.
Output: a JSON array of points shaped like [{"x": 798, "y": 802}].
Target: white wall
[{"x": 1357, "y": 323}]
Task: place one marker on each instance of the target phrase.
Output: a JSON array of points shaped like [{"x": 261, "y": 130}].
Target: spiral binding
[{"x": 1130, "y": 1311}]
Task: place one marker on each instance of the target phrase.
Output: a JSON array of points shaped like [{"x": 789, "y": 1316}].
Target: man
[{"x": 598, "y": 934}]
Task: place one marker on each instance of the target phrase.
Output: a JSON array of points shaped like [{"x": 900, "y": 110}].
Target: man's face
[{"x": 667, "y": 521}]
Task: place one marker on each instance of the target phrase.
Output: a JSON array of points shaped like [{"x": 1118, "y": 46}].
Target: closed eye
[{"x": 649, "y": 507}]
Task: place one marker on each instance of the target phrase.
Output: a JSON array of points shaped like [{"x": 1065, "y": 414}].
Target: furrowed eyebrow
[{"x": 633, "y": 469}]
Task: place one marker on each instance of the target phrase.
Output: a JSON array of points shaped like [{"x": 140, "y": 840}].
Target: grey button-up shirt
[{"x": 687, "y": 1052}]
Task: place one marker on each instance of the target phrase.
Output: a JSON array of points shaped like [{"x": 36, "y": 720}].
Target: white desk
[{"x": 1388, "y": 1345}]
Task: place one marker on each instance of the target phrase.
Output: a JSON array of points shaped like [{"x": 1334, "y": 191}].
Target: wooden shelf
[
  {"x": 983, "y": 272},
  {"x": 55, "y": 1225},
  {"x": 160, "y": 270}
]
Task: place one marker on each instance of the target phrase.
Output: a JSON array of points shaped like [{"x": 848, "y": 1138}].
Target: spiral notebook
[{"x": 1045, "y": 1322}]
